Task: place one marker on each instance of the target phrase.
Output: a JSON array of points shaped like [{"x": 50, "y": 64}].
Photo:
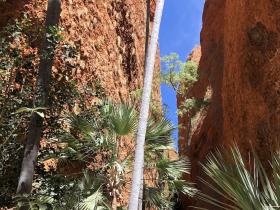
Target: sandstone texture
[
  {"x": 240, "y": 67},
  {"x": 110, "y": 35}
]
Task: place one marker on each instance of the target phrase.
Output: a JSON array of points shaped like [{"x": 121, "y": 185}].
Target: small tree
[
  {"x": 41, "y": 99},
  {"x": 178, "y": 75},
  {"x": 181, "y": 77}
]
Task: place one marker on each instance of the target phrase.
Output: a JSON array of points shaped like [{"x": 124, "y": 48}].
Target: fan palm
[
  {"x": 240, "y": 187},
  {"x": 33, "y": 203},
  {"x": 154, "y": 197},
  {"x": 166, "y": 173},
  {"x": 94, "y": 199},
  {"x": 168, "y": 182},
  {"x": 158, "y": 137},
  {"x": 86, "y": 136},
  {"x": 122, "y": 119}
]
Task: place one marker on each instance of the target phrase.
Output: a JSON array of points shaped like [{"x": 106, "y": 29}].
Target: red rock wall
[
  {"x": 111, "y": 35},
  {"x": 241, "y": 64}
]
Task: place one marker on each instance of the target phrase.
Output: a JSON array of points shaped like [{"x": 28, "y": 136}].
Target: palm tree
[
  {"x": 147, "y": 37},
  {"x": 119, "y": 120},
  {"x": 168, "y": 183},
  {"x": 41, "y": 98},
  {"x": 240, "y": 187},
  {"x": 144, "y": 110},
  {"x": 164, "y": 173},
  {"x": 89, "y": 137},
  {"x": 91, "y": 185}
]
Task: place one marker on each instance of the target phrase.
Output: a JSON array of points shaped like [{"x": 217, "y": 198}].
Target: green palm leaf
[
  {"x": 81, "y": 124},
  {"x": 158, "y": 136},
  {"x": 245, "y": 189},
  {"x": 156, "y": 198},
  {"x": 183, "y": 187},
  {"x": 172, "y": 168},
  {"x": 93, "y": 202},
  {"x": 92, "y": 184},
  {"x": 122, "y": 118}
]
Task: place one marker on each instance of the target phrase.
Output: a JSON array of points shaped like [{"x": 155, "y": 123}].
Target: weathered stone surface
[
  {"x": 240, "y": 63},
  {"x": 111, "y": 36}
]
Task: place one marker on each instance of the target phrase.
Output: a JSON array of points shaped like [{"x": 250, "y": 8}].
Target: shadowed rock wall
[{"x": 240, "y": 64}]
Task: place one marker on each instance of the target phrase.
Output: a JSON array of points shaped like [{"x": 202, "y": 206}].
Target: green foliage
[
  {"x": 166, "y": 174},
  {"x": 93, "y": 137},
  {"x": 155, "y": 197},
  {"x": 93, "y": 202},
  {"x": 94, "y": 198},
  {"x": 53, "y": 38},
  {"x": 90, "y": 134},
  {"x": 178, "y": 75},
  {"x": 172, "y": 168},
  {"x": 123, "y": 119},
  {"x": 192, "y": 104},
  {"x": 20, "y": 41},
  {"x": 158, "y": 136},
  {"x": 242, "y": 187},
  {"x": 181, "y": 77},
  {"x": 16, "y": 91},
  {"x": 37, "y": 110},
  {"x": 169, "y": 183},
  {"x": 34, "y": 203}
]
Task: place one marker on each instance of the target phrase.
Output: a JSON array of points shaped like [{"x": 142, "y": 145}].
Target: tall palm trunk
[
  {"x": 40, "y": 100},
  {"x": 141, "y": 204},
  {"x": 144, "y": 111}
]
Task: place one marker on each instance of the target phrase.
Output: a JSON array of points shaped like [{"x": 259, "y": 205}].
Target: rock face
[
  {"x": 110, "y": 38},
  {"x": 110, "y": 34},
  {"x": 240, "y": 64}
]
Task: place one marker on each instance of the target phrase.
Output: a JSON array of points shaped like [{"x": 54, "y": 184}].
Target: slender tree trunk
[
  {"x": 144, "y": 111},
  {"x": 147, "y": 36},
  {"x": 40, "y": 100},
  {"x": 148, "y": 15},
  {"x": 141, "y": 204}
]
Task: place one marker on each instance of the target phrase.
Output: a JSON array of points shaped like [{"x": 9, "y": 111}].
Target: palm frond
[
  {"x": 92, "y": 184},
  {"x": 93, "y": 202},
  {"x": 158, "y": 136},
  {"x": 244, "y": 188},
  {"x": 183, "y": 187},
  {"x": 90, "y": 181},
  {"x": 173, "y": 168},
  {"x": 81, "y": 124},
  {"x": 156, "y": 198},
  {"x": 276, "y": 176},
  {"x": 122, "y": 118},
  {"x": 159, "y": 129},
  {"x": 39, "y": 202}
]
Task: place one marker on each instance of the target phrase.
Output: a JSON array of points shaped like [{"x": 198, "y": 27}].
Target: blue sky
[{"x": 180, "y": 33}]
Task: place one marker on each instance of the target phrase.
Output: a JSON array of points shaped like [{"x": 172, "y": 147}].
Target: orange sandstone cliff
[
  {"x": 110, "y": 36},
  {"x": 240, "y": 67}
]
